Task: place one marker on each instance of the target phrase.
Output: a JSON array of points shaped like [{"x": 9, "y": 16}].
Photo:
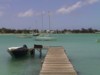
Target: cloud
[
  {"x": 79, "y": 4},
  {"x": 91, "y": 1},
  {"x": 28, "y": 13},
  {"x": 69, "y": 9}
]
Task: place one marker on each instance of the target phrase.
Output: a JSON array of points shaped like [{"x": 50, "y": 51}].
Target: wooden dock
[{"x": 57, "y": 63}]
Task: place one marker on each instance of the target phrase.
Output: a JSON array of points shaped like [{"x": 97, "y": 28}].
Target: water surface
[{"x": 82, "y": 50}]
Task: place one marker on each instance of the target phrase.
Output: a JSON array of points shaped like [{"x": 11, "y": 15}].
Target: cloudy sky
[{"x": 63, "y": 14}]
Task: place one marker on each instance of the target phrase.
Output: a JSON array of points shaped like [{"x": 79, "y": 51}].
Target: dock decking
[{"x": 57, "y": 63}]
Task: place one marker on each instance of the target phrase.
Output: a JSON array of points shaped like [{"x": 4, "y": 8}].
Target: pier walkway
[{"x": 57, "y": 63}]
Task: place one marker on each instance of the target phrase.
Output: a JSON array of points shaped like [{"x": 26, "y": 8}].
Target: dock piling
[
  {"x": 32, "y": 52},
  {"x": 39, "y": 48},
  {"x": 40, "y": 53}
]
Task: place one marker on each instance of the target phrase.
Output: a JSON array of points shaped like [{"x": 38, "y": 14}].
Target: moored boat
[
  {"x": 25, "y": 36},
  {"x": 18, "y": 51},
  {"x": 44, "y": 38},
  {"x": 36, "y": 34}
]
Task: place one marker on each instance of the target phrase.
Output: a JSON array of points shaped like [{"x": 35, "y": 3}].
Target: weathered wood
[{"x": 57, "y": 63}]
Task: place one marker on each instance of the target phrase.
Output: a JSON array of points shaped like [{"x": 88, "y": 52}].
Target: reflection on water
[{"x": 24, "y": 66}]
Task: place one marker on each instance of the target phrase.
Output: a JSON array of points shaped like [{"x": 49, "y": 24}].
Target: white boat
[
  {"x": 44, "y": 38},
  {"x": 36, "y": 34},
  {"x": 25, "y": 36},
  {"x": 97, "y": 32}
]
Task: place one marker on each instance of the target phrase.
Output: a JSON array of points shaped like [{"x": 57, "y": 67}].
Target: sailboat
[
  {"x": 25, "y": 35},
  {"x": 45, "y": 36},
  {"x": 36, "y": 34}
]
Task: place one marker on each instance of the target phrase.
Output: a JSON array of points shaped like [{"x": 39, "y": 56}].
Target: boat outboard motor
[{"x": 24, "y": 46}]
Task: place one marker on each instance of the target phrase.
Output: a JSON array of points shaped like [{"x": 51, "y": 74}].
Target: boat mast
[
  {"x": 42, "y": 20},
  {"x": 49, "y": 20}
]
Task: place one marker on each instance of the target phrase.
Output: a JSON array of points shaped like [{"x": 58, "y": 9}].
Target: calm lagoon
[{"x": 82, "y": 50}]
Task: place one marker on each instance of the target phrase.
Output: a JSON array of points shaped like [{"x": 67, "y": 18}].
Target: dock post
[
  {"x": 32, "y": 52},
  {"x": 42, "y": 62},
  {"x": 39, "y": 48},
  {"x": 40, "y": 53}
]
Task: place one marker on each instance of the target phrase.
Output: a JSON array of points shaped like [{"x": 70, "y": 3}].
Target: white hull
[{"x": 44, "y": 38}]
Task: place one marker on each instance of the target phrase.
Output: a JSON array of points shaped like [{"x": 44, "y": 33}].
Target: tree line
[
  {"x": 7, "y": 30},
  {"x": 20, "y": 31}
]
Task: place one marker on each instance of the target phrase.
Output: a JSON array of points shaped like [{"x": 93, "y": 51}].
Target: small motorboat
[
  {"x": 36, "y": 34},
  {"x": 18, "y": 51},
  {"x": 25, "y": 36}
]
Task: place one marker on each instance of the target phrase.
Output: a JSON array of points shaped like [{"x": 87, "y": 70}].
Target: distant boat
[
  {"x": 45, "y": 36},
  {"x": 18, "y": 51},
  {"x": 36, "y": 34},
  {"x": 97, "y": 32},
  {"x": 25, "y": 36}
]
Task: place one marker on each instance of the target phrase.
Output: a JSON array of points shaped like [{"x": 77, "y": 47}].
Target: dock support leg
[
  {"x": 40, "y": 53},
  {"x": 32, "y": 52}
]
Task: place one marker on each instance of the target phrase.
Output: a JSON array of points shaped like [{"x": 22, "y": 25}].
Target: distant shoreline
[
  {"x": 53, "y": 33},
  {"x": 64, "y": 31},
  {"x": 9, "y": 34},
  {"x": 6, "y": 34}
]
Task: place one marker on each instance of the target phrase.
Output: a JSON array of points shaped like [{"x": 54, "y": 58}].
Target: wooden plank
[{"x": 57, "y": 63}]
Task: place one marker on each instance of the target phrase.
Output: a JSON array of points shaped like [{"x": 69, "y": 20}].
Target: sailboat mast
[
  {"x": 49, "y": 20},
  {"x": 42, "y": 20}
]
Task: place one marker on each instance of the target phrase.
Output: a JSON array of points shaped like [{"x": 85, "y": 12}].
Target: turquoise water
[{"x": 82, "y": 50}]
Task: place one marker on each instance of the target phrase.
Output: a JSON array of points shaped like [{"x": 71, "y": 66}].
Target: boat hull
[
  {"x": 19, "y": 52},
  {"x": 44, "y": 38}
]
